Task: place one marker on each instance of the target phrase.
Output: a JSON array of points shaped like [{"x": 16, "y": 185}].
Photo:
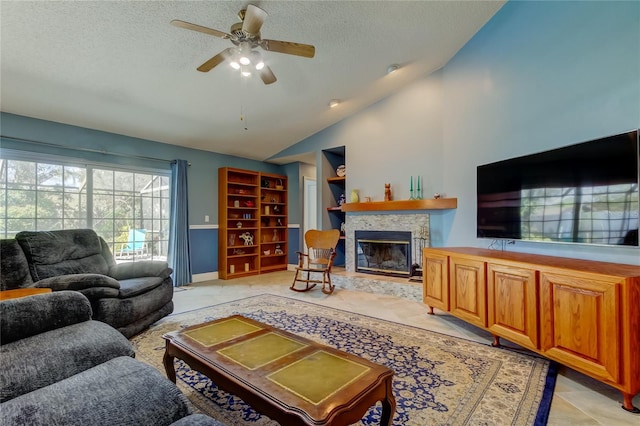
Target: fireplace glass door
[{"x": 383, "y": 252}]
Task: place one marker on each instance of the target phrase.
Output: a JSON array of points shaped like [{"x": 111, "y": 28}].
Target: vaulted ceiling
[{"x": 119, "y": 66}]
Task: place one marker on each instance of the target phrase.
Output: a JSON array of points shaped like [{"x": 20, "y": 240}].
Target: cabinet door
[
  {"x": 435, "y": 281},
  {"x": 467, "y": 295},
  {"x": 580, "y": 322},
  {"x": 512, "y": 304}
]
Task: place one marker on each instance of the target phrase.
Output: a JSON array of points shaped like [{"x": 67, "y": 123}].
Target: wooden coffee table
[{"x": 291, "y": 379}]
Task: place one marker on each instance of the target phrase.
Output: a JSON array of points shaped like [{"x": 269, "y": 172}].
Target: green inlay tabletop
[
  {"x": 318, "y": 376},
  {"x": 213, "y": 334},
  {"x": 261, "y": 350}
]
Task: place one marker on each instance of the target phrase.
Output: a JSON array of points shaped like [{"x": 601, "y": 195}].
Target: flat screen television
[{"x": 585, "y": 193}]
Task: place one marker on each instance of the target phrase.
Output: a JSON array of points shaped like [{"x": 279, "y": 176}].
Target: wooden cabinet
[
  {"x": 273, "y": 223},
  {"x": 583, "y": 314},
  {"x": 580, "y": 322},
  {"x": 252, "y": 216},
  {"x": 467, "y": 290},
  {"x": 436, "y": 281},
  {"x": 512, "y": 303}
]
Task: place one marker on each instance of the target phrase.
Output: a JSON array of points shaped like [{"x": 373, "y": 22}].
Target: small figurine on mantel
[{"x": 387, "y": 192}]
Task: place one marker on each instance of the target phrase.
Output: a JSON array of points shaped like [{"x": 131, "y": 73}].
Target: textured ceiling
[{"x": 119, "y": 66}]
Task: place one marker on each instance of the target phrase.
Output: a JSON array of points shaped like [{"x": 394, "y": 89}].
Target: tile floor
[{"x": 578, "y": 399}]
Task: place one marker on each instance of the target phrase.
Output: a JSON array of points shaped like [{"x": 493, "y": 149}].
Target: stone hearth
[{"x": 377, "y": 284}]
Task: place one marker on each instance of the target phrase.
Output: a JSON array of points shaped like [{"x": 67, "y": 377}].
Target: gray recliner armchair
[{"x": 127, "y": 296}]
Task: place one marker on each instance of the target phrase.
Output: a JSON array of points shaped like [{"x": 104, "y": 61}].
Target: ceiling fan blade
[
  {"x": 253, "y": 19},
  {"x": 220, "y": 57},
  {"x": 267, "y": 75},
  {"x": 199, "y": 28},
  {"x": 289, "y": 47}
]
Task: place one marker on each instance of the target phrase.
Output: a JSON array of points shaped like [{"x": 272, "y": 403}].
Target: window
[{"x": 128, "y": 208}]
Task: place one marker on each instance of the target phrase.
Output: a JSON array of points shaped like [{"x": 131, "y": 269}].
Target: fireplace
[{"x": 383, "y": 252}]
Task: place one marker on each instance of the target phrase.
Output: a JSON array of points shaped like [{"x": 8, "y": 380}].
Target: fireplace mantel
[{"x": 427, "y": 204}]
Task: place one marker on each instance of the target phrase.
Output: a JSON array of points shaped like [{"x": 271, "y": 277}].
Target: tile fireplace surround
[{"x": 401, "y": 287}]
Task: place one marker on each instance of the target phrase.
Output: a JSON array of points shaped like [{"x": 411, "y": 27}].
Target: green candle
[{"x": 411, "y": 186}]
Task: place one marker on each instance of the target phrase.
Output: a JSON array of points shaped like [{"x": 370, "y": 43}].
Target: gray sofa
[
  {"x": 59, "y": 367},
  {"x": 128, "y": 296}
]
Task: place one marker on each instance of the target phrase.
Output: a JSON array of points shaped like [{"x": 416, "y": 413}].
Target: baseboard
[{"x": 207, "y": 276}]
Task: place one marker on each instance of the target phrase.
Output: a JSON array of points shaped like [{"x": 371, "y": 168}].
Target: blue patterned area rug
[{"x": 439, "y": 379}]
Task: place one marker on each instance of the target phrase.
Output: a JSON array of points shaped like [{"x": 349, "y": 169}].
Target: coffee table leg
[
  {"x": 388, "y": 405},
  {"x": 167, "y": 360}
]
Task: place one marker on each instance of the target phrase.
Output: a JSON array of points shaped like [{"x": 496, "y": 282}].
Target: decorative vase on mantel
[{"x": 354, "y": 196}]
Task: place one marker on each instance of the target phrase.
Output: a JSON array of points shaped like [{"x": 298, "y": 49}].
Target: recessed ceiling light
[
  {"x": 393, "y": 68},
  {"x": 334, "y": 103}
]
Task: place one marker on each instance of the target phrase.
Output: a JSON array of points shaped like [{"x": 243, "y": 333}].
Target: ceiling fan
[{"x": 245, "y": 35}]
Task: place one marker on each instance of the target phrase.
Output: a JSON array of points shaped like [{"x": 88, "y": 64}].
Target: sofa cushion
[
  {"x": 121, "y": 391},
  {"x": 14, "y": 269},
  {"x": 29, "y": 316},
  {"x": 71, "y": 251},
  {"x": 79, "y": 282},
  {"x": 38, "y": 361},
  {"x": 143, "y": 268},
  {"x": 122, "y": 311},
  {"x": 135, "y": 286}
]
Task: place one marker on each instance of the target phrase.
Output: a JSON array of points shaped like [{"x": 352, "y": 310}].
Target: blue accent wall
[
  {"x": 537, "y": 76},
  {"x": 294, "y": 245},
  {"x": 204, "y": 250}
]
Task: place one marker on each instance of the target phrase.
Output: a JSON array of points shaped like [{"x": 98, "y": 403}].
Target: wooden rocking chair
[{"x": 319, "y": 259}]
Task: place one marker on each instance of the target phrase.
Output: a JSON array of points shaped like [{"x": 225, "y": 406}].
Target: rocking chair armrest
[
  {"x": 331, "y": 257},
  {"x": 301, "y": 256}
]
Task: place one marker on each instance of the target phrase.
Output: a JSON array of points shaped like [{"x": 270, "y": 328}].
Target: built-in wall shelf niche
[
  {"x": 426, "y": 204},
  {"x": 333, "y": 194}
]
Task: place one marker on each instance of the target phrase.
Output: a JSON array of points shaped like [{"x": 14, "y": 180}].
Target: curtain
[{"x": 179, "y": 256}]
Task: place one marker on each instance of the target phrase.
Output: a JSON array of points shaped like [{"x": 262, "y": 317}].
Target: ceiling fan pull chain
[{"x": 243, "y": 118}]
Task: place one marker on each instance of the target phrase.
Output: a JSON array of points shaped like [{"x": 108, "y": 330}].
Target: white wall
[{"x": 396, "y": 139}]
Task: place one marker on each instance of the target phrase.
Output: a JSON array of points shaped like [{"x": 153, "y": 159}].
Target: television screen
[{"x": 585, "y": 193}]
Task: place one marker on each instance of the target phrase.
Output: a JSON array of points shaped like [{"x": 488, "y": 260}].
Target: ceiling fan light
[
  {"x": 244, "y": 60},
  {"x": 235, "y": 65},
  {"x": 256, "y": 59},
  {"x": 246, "y": 73}
]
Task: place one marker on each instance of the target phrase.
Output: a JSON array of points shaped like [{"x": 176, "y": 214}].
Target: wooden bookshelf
[
  {"x": 238, "y": 203},
  {"x": 274, "y": 230},
  {"x": 256, "y": 204}
]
